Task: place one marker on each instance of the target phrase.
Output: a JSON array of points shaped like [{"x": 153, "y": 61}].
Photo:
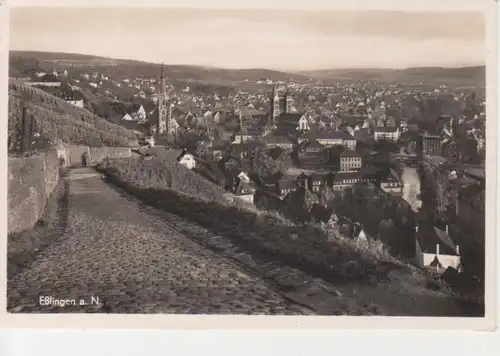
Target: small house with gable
[{"x": 435, "y": 249}]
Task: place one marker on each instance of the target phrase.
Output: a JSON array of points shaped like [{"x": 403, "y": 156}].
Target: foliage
[
  {"x": 297, "y": 205},
  {"x": 435, "y": 192},
  {"x": 190, "y": 140},
  {"x": 326, "y": 196},
  {"x": 382, "y": 215},
  {"x": 263, "y": 165}
]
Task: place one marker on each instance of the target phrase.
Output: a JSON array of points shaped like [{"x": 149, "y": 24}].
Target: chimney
[
  {"x": 437, "y": 249},
  {"x": 458, "y": 250}
]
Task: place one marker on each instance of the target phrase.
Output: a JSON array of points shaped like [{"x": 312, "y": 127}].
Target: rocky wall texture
[
  {"x": 31, "y": 182},
  {"x": 73, "y": 154},
  {"x": 98, "y": 154}
]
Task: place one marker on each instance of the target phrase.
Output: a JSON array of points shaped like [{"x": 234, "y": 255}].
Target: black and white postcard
[{"x": 222, "y": 166}]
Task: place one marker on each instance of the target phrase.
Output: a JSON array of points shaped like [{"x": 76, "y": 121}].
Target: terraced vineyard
[{"x": 57, "y": 120}]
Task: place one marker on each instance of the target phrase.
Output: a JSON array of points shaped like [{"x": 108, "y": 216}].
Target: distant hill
[
  {"x": 474, "y": 76},
  {"x": 20, "y": 59},
  {"x": 465, "y": 76}
]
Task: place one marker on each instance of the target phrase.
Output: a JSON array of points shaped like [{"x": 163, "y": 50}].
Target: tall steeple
[
  {"x": 275, "y": 103},
  {"x": 162, "y": 106},
  {"x": 288, "y": 100}
]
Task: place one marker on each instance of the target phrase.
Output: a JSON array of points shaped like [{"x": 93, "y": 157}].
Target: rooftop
[
  {"x": 350, "y": 154},
  {"x": 386, "y": 129},
  {"x": 313, "y": 144},
  {"x": 332, "y": 135},
  {"x": 287, "y": 184},
  {"x": 272, "y": 139},
  {"x": 430, "y": 236},
  {"x": 340, "y": 176}
]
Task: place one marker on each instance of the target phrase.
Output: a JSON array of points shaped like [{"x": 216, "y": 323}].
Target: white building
[
  {"x": 188, "y": 161},
  {"x": 304, "y": 124},
  {"x": 436, "y": 250},
  {"x": 150, "y": 141},
  {"x": 141, "y": 113},
  {"x": 386, "y": 133},
  {"x": 77, "y": 103}
]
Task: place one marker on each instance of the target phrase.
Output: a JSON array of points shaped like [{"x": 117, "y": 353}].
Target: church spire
[
  {"x": 162, "y": 81},
  {"x": 162, "y": 105},
  {"x": 275, "y": 104}
]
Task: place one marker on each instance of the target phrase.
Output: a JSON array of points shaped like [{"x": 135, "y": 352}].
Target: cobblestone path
[{"x": 130, "y": 261}]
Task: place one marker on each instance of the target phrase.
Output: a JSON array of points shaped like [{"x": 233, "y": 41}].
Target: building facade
[
  {"x": 429, "y": 145},
  {"x": 350, "y": 161},
  {"x": 386, "y": 133}
]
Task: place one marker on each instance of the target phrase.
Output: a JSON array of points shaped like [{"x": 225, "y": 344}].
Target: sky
[{"x": 267, "y": 38}]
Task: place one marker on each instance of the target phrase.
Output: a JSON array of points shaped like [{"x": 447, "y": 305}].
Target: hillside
[
  {"x": 57, "y": 120},
  {"x": 21, "y": 60},
  {"x": 119, "y": 67}
]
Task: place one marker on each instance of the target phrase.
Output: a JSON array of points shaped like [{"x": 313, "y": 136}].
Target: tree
[
  {"x": 386, "y": 231},
  {"x": 326, "y": 196},
  {"x": 442, "y": 200},
  {"x": 262, "y": 203},
  {"x": 263, "y": 165},
  {"x": 188, "y": 140},
  {"x": 298, "y": 204}
]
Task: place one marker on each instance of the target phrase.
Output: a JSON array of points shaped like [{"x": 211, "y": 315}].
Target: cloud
[{"x": 238, "y": 43}]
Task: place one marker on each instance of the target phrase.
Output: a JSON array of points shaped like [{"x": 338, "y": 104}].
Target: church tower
[
  {"x": 163, "y": 107},
  {"x": 276, "y": 103},
  {"x": 288, "y": 101}
]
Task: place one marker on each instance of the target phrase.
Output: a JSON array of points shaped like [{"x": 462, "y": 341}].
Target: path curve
[{"x": 131, "y": 262}]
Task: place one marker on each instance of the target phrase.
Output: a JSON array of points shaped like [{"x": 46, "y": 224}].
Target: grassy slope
[
  {"x": 363, "y": 273},
  {"x": 59, "y": 120}
]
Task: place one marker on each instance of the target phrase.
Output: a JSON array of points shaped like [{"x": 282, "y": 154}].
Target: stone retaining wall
[
  {"x": 31, "y": 182},
  {"x": 72, "y": 154},
  {"x": 33, "y": 179},
  {"x": 98, "y": 154}
]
